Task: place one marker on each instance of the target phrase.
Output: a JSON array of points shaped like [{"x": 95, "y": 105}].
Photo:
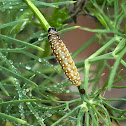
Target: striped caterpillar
[{"x": 63, "y": 56}]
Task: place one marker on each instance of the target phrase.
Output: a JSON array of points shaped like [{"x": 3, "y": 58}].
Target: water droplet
[
  {"x": 22, "y": 114},
  {"x": 38, "y": 72},
  {"x": 68, "y": 91},
  {"x": 40, "y": 60},
  {"x": 24, "y": 92},
  {"x": 60, "y": 89},
  {"x": 28, "y": 103},
  {"x": 16, "y": 82},
  {"x": 10, "y": 7},
  {"x": 21, "y": 9},
  {"x": 41, "y": 34},
  {"x": 40, "y": 38},
  {"x": 4, "y": 3},
  {"x": 37, "y": 117},
  {"x": 15, "y": 79},
  {"x": 23, "y": 25},
  {"x": 28, "y": 67},
  {"x": 20, "y": 95},
  {"x": 10, "y": 62},
  {"x": 30, "y": 94},
  {"x": 27, "y": 90},
  {"x": 3, "y": 11},
  {"x": 49, "y": 115},
  {"x": 42, "y": 119}
]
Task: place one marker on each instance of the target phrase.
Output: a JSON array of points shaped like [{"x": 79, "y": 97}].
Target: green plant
[{"x": 29, "y": 81}]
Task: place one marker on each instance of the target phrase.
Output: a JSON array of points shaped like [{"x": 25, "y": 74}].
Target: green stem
[
  {"x": 123, "y": 63},
  {"x": 116, "y": 99},
  {"x": 11, "y": 118},
  {"x": 118, "y": 118},
  {"x": 118, "y": 86},
  {"x": 86, "y": 75},
  {"x": 66, "y": 115},
  {"x": 38, "y": 14},
  {"x": 13, "y": 40},
  {"x": 111, "y": 107},
  {"x": 105, "y": 112},
  {"x": 17, "y": 101},
  {"x": 114, "y": 69},
  {"x": 17, "y": 76},
  {"x": 103, "y": 47},
  {"x": 101, "y": 57},
  {"x": 87, "y": 119},
  {"x": 100, "y": 115},
  {"x": 80, "y": 115}
]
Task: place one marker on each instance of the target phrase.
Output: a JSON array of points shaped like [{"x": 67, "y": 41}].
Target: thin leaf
[
  {"x": 3, "y": 89},
  {"x": 9, "y": 39},
  {"x": 12, "y": 23},
  {"x": 15, "y": 75},
  {"x": 114, "y": 69},
  {"x": 13, "y": 119}
]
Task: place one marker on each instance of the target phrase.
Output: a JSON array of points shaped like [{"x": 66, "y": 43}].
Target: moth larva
[{"x": 63, "y": 56}]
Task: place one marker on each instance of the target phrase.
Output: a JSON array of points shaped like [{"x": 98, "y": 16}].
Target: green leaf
[
  {"x": 12, "y": 23},
  {"x": 59, "y": 16},
  {"x": 13, "y": 119},
  {"x": 9, "y": 39},
  {"x": 3, "y": 89},
  {"x": 26, "y": 16},
  {"x": 15, "y": 75},
  {"x": 114, "y": 68}
]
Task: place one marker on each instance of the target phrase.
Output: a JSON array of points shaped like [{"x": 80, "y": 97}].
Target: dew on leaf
[
  {"x": 40, "y": 60},
  {"x": 4, "y": 3},
  {"x": 28, "y": 67},
  {"x": 10, "y": 7},
  {"x": 67, "y": 91},
  {"x": 21, "y": 9},
  {"x": 23, "y": 25},
  {"x": 40, "y": 38},
  {"x": 28, "y": 103},
  {"x": 27, "y": 90}
]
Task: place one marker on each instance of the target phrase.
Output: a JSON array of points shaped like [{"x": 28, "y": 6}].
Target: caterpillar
[{"x": 63, "y": 56}]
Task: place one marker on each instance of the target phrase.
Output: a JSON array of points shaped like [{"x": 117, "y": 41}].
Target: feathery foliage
[{"x": 31, "y": 81}]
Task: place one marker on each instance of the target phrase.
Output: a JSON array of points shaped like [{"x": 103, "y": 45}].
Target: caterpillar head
[
  {"x": 52, "y": 30},
  {"x": 52, "y": 33}
]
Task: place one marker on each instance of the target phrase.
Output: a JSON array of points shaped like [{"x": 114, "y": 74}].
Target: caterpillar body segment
[{"x": 63, "y": 56}]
